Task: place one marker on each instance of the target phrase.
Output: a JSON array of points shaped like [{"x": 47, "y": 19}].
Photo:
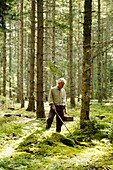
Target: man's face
[{"x": 61, "y": 85}]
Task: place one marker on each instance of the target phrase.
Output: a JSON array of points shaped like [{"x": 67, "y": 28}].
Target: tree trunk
[
  {"x": 72, "y": 88},
  {"x": 106, "y": 70},
  {"x": 18, "y": 67},
  {"x": 79, "y": 58},
  {"x": 4, "y": 62},
  {"x": 86, "y": 64},
  {"x": 92, "y": 67},
  {"x": 46, "y": 75},
  {"x": 40, "y": 105},
  {"x": 53, "y": 41},
  {"x": 31, "y": 105},
  {"x": 10, "y": 64},
  {"x": 99, "y": 65},
  {"x": 21, "y": 53}
]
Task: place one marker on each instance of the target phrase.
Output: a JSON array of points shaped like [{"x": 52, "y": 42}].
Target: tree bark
[
  {"x": 99, "y": 59},
  {"x": 40, "y": 105},
  {"x": 46, "y": 73},
  {"x": 79, "y": 57},
  {"x": 86, "y": 64},
  {"x": 10, "y": 63},
  {"x": 18, "y": 65},
  {"x": 53, "y": 41},
  {"x": 21, "y": 53},
  {"x": 72, "y": 88},
  {"x": 31, "y": 105},
  {"x": 92, "y": 67},
  {"x": 4, "y": 62}
]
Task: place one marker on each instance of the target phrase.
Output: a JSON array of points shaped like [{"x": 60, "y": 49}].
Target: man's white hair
[{"x": 61, "y": 80}]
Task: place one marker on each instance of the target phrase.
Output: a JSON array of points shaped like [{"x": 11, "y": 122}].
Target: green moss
[
  {"x": 41, "y": 149},
  {"x": 10, "y": 129},
  {"x": 57, "y": 137},
  {"x": 56, "y": 142}
]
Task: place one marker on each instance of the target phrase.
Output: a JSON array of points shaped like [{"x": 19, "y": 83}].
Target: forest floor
[{"x": 25, "y": 144}]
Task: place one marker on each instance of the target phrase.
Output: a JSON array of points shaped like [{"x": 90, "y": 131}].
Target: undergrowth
[{"x": 45, "y": 149}]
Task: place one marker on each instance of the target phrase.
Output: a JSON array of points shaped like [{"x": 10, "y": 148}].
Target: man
[{"x": 57, "y": 102}]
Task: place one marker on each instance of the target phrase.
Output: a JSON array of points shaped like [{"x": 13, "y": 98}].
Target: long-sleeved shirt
[{"x": 56, "y": 96}]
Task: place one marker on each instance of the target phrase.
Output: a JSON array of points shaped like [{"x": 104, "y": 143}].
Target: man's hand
[
  {"x": 53, "y": 107},
  {"x": 65, "y": 112}
]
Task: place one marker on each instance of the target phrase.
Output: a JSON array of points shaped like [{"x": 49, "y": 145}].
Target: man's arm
[
  {"x": 51, "y": 101},
  {"x": 64, "y": 101},
  {"x": 50, "y": 97}
]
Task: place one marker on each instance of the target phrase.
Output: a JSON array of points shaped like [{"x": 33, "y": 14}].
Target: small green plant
[{"x": 110, "y": 133}]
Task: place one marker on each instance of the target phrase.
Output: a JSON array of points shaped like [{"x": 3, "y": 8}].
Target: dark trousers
[{"x": 52, "y": 113}]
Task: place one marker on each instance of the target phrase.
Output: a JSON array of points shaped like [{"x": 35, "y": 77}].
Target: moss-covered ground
[{"x": 25, "y": 144}]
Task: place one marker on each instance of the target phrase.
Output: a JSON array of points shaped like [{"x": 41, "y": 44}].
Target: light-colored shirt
[{"x": 56, "y": 96}]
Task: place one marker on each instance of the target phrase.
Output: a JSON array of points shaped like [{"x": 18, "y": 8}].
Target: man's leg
[
  {"x": 58, "y": 120},
  {"x": 50, "y": 118}
]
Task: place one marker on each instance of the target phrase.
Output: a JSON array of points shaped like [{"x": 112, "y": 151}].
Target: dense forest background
[{"x": 41, "y": 41}]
